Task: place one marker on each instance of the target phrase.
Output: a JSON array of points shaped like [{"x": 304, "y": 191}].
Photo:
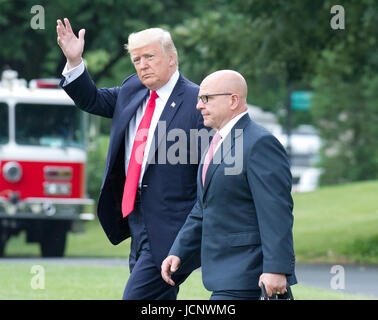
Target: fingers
[
  {"x": 68, "y": 25},
  {"x": 274, "y": 283},
  {"x": 270, "y": 290},
  {"x": 64, "y": 28},
  {"x": 81, "y": 34},
  {"x": 174, "y": 266},
  {"x": 59, "y": 24},
  {"x": 60, "y": 29},
  {"x": 279, "y": 290},
  {"x": 168, "y": 267},
  {"x": 166, "y": 272}
]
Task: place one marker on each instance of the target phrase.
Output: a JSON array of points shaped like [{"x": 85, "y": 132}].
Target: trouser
[
  {"x": 145, "y": 281},
  {"x": 236, "y": 295}
]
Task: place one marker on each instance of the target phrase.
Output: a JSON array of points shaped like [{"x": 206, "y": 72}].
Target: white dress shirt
[{"x": 130, "y": 133}]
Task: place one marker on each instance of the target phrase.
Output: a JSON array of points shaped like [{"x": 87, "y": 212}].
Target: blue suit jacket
[
  {"x": 168, "y": 190},
  {"x": 242, "y": 221}
]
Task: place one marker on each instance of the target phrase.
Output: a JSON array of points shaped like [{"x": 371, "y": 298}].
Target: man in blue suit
[
  {"x": 242, "y": 220},
  {"x": 144, "y": 194}
]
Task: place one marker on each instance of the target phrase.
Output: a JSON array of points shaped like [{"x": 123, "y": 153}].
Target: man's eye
[
  {"x": 136, "y": 60},
  {"x": 151, "y": 57}
]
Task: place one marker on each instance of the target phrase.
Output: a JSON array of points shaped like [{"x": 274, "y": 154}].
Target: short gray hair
[{"x": 148, "y": 36}]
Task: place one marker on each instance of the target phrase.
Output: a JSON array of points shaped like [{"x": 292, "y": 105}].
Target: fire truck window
[
  {"x": 49, "y": 125},
  {"x": 3, "y": 123}
]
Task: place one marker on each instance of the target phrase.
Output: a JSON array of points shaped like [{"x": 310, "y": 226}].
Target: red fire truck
[{"x": 42, "y": 164}]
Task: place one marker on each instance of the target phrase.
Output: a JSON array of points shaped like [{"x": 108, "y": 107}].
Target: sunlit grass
[{"x": 69, "y": 282}]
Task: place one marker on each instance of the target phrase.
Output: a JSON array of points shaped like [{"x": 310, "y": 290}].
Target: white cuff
[{"x": 73, "y": 74}]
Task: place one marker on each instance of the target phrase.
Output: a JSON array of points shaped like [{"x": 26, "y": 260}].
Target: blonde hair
[{"x": 148, "y": 36}]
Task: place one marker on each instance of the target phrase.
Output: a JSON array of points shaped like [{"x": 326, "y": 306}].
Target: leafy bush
[{"x": 96, "y": 165}]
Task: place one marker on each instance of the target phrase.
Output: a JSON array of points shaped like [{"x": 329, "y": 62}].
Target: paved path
[{"x": 355, "y": 279}]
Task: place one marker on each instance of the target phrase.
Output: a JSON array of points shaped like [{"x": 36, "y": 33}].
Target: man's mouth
[{"x": 147, "y": 75}]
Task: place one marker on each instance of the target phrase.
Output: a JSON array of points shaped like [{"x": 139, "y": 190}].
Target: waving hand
[{"x": 71, "y": 45}]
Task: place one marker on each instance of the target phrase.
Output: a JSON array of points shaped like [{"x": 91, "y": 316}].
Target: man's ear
[
  {"x": 235, "y": 99},
  {"x": 172, "y": 60}
]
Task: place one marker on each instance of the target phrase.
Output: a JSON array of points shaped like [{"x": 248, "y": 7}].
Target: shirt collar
[
  {"x": 225, "y": 130},
  {"x": 165, "y": 91}
]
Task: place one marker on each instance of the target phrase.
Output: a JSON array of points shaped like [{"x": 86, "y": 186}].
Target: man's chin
[
  {"x": 151, "y": 84},
  {"x": 207, "y": 123}
]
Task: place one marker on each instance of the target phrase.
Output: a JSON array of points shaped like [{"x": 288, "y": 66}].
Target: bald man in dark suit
[{"x": 241, "y": 224}]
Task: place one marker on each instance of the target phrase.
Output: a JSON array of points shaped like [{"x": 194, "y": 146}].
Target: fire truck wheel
[{"x": 53, "y": 240}]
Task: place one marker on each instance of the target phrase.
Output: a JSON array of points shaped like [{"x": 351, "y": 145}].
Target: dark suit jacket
[
  {"x": 242, "y": 221},
  {"x": 168, "y": 190}
]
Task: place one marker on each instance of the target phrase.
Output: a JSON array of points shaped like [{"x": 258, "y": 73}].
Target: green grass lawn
[
  {"x": 332, "y": 224},
  {"x": 68, "y": 282},
  {"x": 337, "y": 224},
  {"x": 92, "y": 243}
]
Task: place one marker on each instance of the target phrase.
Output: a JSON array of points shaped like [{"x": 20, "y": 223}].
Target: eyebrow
[{"x": 149, "y": 53}]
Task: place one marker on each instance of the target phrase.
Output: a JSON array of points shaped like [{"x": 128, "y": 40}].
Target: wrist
[{"x": 73, "y": 63}]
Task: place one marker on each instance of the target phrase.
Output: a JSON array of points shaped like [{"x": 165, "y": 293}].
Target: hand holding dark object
[
  {"x": 288, "y": 295},
  {"x": 275, "y": 283}
]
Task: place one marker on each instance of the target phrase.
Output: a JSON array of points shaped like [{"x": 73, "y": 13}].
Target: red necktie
[
  {"x": 209, "y": 155},
  {"x": 136, "y": 159}
]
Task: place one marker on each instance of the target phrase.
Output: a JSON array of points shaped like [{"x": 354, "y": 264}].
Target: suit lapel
[
  {"x": 132, "y": 106},
  {"x": 125, "y": 116},
  {"x": 223, "y": 150}
]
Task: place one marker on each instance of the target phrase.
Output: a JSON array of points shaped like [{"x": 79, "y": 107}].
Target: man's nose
[
  {"x": 200, "y": 105},
  {"x": 143, "y": 63}
]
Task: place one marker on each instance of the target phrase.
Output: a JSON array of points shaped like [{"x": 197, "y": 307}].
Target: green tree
[
  {"x": 346, "y": 101},
  {"x": 96, "y": 165},
  {"x": 35, "y": 53},
  {"x": 276, "y": 45},
  {"x": 282, "y": 45}
]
